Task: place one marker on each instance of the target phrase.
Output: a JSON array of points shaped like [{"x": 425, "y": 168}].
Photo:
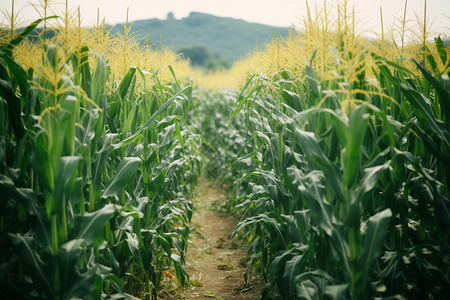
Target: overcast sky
[{"x": 272, "y": 12}]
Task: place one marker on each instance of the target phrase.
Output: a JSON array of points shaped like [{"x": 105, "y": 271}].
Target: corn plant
[
  {"x": 349, "y": 194},
  {"x": 96, "y": 178},
  {"x": 221, "y": 140},
  {"x": 337, "y": 153}
]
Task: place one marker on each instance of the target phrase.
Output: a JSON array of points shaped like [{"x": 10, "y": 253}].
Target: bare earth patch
[{"x": 215, "y": 264}]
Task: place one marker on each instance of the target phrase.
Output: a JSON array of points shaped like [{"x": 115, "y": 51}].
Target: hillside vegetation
[{"x": 226, "y": 37}]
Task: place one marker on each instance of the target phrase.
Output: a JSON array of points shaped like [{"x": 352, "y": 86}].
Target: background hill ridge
[{"x": 223, "y": 38}]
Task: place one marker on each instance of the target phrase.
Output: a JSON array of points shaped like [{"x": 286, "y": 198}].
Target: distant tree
[
  {"x": 217, "y": 63},
  {"x": 170, "y": 16},
  {"x": 198, "y": 55}
]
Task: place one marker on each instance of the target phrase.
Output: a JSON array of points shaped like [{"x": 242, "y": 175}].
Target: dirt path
[{"x": 216, "y": 265}]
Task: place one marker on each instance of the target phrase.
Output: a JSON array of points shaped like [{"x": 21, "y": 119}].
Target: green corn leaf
[
  {"x": 384, "y": 70},
  {"x": 14, "y": 108},
  {"x": 242, "y": 100},
  {"x": 89, "y": 121},
  {"x": 315, "y": 155},
  {"x": 69, "y": 254},
  {"x": 399, "y": 68},
  {"x": 3, "y": 70},
  {"x": 152, "y": 119},
  {"x": 249, "y": 81},
  {"x": 40, "y": 159},
  {"x": 41, "y": 226},
  {"x": 266, "y": 290},
  {"x": 125, "y": 84},
  {"x": 71, "y": 251},
  {"x": 303, "y": 219},
  {"x": 180, "y": 272},
  {"x": 416, "y": 163},
  {"x": 93, "y": 223},
  {"x": 430, "y": 59},
  {"x": 18, "y": 75},
  {"x": 17, "y": 40},
  {"x": 133, "y": 245},
  {"x": 102, "y": 157},
  {"x": 293, "y": 267},
  {"x": 306, "y": 289},
  {"x": 438, "y": 85},
  {"x": 433, "y": 145},
  {"x": 318, "y": 280},
  {"x": 336, "y": 292},
  {"x": 293, "y": 235},
  {"x": 69, "y": 105},
  {"x": 441, "y": 50},
  {"x": 442, "y": 209},
  {"x": 129, "y": 120},
  {"x": 7, "y": 189},
  {"x": 277, "y": 268},
  {"x": 99, "y": 79},
  {"x": 441, "y": 88},
  {"x": 173, "y": 74},
  {"x": 88, "y": 284},
  {"x": 64, "y": 182},
  {"x": 422, "y": 108},
  {"x": 270, "y": 223},
  {"x": 377, "y": 228},
  {"x": 293, "y": 100},
  {"x": 113, "y": 111},
  {"x": 36, "y": 267},
  {"x": 353, "y": 151},
  {"x": 125, "y": 171},
  {"x": 178, "y": 134},
  {"x": 311, "y": 77},
  {"x": 278, "y": 263},
  {"x": 86, "y": 79},
  {"x": 321, "y": 210},
  {"x": 370, "y": 179}
]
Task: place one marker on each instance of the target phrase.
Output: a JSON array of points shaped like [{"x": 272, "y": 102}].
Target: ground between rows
[{"x": 216, "y": 264}]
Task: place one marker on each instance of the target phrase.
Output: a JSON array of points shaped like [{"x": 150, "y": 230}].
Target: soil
[{"x": 216, "y": 264}]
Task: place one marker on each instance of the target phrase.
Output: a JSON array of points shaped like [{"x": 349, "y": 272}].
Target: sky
[{"x": 278, "y": 13}]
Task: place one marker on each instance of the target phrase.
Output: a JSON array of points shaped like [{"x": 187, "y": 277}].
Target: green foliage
[
  {"x": 200, "y": 56},
  {"x": 197, "y": 55},
  {"x": 339, "y": 198},
  {"x": 346, "y": 199},
  {"x": 95, "y": 180},
  {"x": 226, "y": 37}
]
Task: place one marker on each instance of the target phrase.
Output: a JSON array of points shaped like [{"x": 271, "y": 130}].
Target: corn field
[{"x": 336, "y": 150}]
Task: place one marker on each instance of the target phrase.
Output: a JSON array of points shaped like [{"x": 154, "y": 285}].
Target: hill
[{"x": 224, "y": 38}]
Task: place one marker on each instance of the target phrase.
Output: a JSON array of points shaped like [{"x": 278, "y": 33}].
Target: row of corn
[
  {"x": 340, "y": 163},
  {"x": 336, "y": 147},
  {"x": 95, "y": 176}
]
